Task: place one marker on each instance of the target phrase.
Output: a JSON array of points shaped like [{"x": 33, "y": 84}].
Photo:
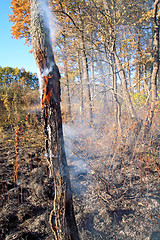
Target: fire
[{"x": 46, "y": 95}]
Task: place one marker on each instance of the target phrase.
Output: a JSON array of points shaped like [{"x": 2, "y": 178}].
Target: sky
[{"x": 13, "y": 52}]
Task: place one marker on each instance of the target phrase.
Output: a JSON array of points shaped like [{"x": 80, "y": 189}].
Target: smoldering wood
[{"x": 62, "y": 219}]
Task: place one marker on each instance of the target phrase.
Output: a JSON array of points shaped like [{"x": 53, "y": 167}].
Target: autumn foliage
[{"x": 20, "y": 18}]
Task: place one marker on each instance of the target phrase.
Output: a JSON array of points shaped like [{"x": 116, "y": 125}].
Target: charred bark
[{"x": 62, "y": 219}]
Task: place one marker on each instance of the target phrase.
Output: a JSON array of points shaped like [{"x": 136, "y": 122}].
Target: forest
[{"x": 107, "y": 53}]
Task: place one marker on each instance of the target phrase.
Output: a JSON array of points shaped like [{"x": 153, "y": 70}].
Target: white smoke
[
  {"x": 41, "y": 82},
  {"x": 71, "y": 135},
  {"x": 52, "y": 24},
  {"x": 50, "y": 20}
]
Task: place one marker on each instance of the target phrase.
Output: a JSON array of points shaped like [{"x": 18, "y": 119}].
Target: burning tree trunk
[{"x": 62, "y": 217}]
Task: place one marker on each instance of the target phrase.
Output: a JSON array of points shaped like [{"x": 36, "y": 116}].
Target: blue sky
[{"x": 13, "y": 53}]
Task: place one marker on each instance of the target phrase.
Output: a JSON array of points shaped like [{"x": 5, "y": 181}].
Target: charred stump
[{"x": 62, "y": 219}]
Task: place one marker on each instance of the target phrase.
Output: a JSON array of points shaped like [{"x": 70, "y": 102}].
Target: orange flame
[{"x": 46, "y": 95}]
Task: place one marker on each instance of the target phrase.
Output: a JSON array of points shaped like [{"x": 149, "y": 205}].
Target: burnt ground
[{"x": 116, "y": 196}]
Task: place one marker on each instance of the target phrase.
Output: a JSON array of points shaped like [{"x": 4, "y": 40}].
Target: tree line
[
  {"x": 18, "y": 91},
  {"x": 106, "y": 49}
]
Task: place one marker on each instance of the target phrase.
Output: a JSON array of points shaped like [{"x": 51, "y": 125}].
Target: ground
[{"x": 116, "y": 191}]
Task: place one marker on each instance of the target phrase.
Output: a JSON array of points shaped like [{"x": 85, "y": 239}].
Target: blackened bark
[{"x": 62, "y": 219}]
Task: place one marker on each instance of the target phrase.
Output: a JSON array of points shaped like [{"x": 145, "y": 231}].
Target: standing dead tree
[{"x": 62, "y": 217}]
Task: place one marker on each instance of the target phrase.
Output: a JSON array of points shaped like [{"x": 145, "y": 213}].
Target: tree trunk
[
  {"x": 92, "y": 79},
  {"x": 145, "y": 85},
  {"x": 62, "y": 219},
  {"x": 129, "y": 72},
  {"x": 103, "y": 81},
  {"x": 68, "y": 91},
  {"x": 138, "y": 65},
  {"x": 81, "y": 86},
  {"x": 117, "y": 105},
  {"x": 156, "y": 17},
  {"x": 86, "y": 78},
  {"x": 126, "y": 94},
  {"x": 92, "y": 68},
  {"x": 67, "y": 81},
  {"x": 138, "y": 78}
]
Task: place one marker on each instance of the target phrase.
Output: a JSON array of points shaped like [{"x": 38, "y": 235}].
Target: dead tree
[{"x": 62, "y": 217}]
